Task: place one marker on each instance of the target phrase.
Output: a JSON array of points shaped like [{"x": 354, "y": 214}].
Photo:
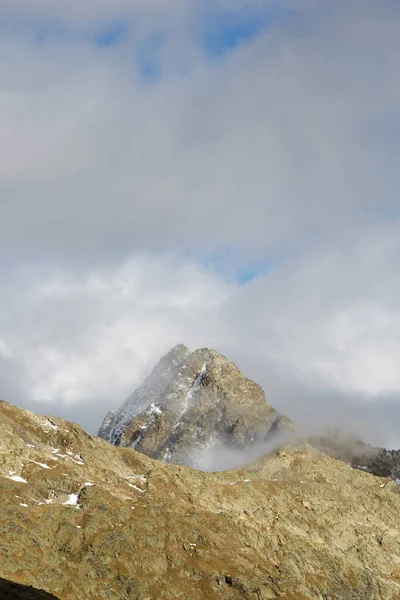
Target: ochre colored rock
[{"x": 109, "y": 523}]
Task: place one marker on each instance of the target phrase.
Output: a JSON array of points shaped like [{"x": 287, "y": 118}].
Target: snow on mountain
[
  {"x": 148, "y": 393},
  {"x": 192, "y": 402}
]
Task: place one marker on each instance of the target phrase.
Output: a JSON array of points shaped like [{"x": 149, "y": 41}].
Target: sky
[{"x": 221, "y": 174}]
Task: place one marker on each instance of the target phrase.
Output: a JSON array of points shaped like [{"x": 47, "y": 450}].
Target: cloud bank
[{"x": 155, "y": 190}]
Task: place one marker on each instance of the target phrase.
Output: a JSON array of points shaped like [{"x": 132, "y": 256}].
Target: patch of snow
[
  {"x": 72, "y": 500},
  {"x": 167, "y": 455},
  {"x": 136, "y": 488},
  {"x": 17, "y": 478},
  {"x": 55, "y": 450},
  {"x": 88, "y": 483},
  {"x": 153, "y": 409},
  {"x": 150, "y": 392},
  {"x": 51, "y": 425},
  {"x": 43, "y": 465},
  {"x": 78, "y": 462},
  {"x": 78, "y": 526},
  {"x": 62, "y": 455},
  {"x": 31, "y": 446},
  {"x": 21, "y": 504},
  {"x": 192, "y": 393}
]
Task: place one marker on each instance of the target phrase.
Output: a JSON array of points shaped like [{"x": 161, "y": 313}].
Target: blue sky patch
[
  {"x": 218, "y": 34},
  {"x": 226, "y": 31},
  {"x": 252, "y": 270},
  {"x": 231, "y": 264},
  {"x": 44, "y": 30},
  {"x": 111, "y": 35}
]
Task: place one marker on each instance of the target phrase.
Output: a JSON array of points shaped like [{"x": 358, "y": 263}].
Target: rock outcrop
[
  {"x": 191, "y": 404},
  {"x": 83, "y": 520},
  {"x": 354, "y": 451}
]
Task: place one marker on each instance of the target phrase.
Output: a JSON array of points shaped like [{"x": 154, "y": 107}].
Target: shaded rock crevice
[{"x": 9, "y": 590}]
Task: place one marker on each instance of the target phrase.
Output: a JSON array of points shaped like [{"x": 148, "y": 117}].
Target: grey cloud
[
  {"x": 283, "y": 149},
  {"x": 95, "y": 10},
  {"x": 264, "y": 150}
]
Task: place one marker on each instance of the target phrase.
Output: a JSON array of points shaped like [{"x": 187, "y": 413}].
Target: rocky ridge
[
  {"x": 83, "y": 520},
  {"x": 192, "y": 403},
  {"x": 353, "y": 450}
]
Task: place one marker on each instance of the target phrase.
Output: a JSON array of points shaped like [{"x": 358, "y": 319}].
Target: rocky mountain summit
[
  {"x": 191, "y": 404},
  {"x": 81, "y": 519}
]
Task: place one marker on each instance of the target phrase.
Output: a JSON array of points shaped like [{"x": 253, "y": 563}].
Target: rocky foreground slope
[
  {"x": 191, "y": 403},
  {"x": 83, "y": 520}
]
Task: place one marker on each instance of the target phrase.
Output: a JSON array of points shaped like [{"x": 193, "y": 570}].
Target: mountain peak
[
  {"x": 192, "y": 403},
  {"x": 178, "y": 352}
]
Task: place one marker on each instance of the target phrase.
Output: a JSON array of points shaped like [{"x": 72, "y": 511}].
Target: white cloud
[
  {"x": 285, "y": 149},
  {"x": 5, "y": 351},
  {"x": 94, "y": 336},
  {"x": 87, "y": 339}
]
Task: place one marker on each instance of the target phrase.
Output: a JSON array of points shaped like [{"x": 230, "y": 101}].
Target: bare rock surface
[
  {"x": 191, "y": 404},
  {"x": 81, "y": 519}
]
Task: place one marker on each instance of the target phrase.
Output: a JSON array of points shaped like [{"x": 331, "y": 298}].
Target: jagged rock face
[
  {"x": 84, "y": 520},
  {"x": 153, "y": 388},
  {"x": 191, "y": 403}
]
